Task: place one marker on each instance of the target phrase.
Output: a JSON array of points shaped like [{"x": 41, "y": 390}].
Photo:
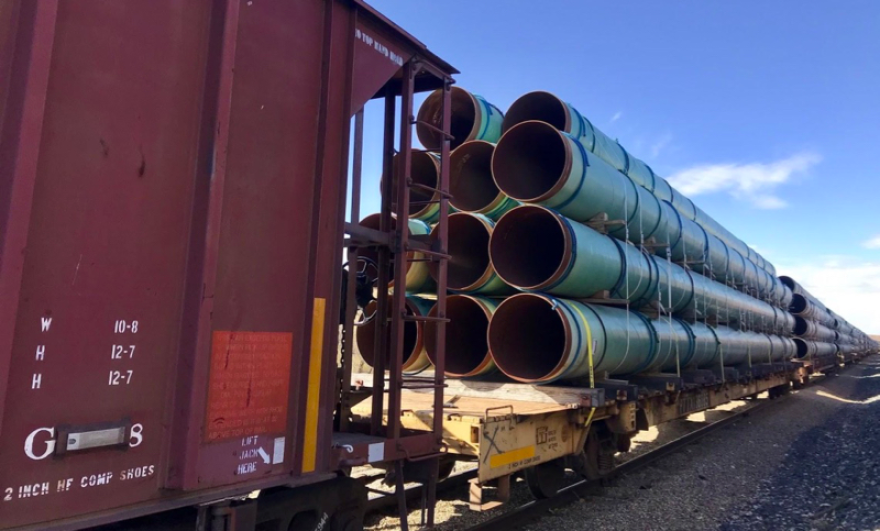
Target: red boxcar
[{"x": 172, "y": 187}]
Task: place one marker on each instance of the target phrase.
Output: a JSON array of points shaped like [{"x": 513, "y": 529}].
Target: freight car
[
  {"x": 172, "y": 186},
  {"x": 593, "y": 300}
]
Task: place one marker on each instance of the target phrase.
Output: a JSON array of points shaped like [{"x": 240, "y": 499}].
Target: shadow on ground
[{"x": 830, "y": 477}]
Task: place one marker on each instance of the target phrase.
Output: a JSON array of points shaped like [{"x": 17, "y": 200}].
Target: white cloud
[
  {"x": 660, "y": 144},
  {"x": 753, "y": 182},
  {"x": 846, "y": 284},
  {"x": 872, "y": 243},
  {"x": 616, "y": 116}
]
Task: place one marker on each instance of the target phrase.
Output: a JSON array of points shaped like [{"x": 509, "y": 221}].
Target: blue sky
[{"x": 767, "y": 114}]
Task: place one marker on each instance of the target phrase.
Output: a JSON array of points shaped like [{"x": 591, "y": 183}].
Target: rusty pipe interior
[
  {"x": 529, "y": 161},
  {"x": 528, "y": 338}
]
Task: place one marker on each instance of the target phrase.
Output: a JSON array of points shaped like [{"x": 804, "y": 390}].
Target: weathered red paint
[{"x": 172, "y": 173}]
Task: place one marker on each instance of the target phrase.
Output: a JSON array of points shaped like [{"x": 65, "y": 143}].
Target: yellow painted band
[
  {"x": 512, "y": 456},
  {"x": 313, "y": 397}
]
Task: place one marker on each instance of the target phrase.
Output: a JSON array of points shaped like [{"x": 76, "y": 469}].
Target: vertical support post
[
  {"x": 352, "y": 257},
  {"x": 384, "y": 255},
  {"x": 401, "y": 207},
  {"x": 442, "y": 268}
]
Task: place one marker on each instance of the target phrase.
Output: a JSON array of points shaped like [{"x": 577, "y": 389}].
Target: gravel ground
[
  {"x": 808, "y": 463},
  {"x": 829, "y": 478}
]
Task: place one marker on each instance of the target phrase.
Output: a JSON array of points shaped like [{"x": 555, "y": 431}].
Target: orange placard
[{"x": 248, "y": 384}]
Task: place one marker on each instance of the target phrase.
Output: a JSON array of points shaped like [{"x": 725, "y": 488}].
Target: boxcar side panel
[{"x": 100, "y": 287}]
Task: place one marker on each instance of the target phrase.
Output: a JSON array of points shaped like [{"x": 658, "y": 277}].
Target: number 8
[{"x": 137, "y": 436}]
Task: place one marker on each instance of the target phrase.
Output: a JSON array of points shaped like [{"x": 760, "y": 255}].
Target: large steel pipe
[
  {"x": 467, "y": 347},
  {"x": 810, "y": 309},
  {"x": 797, "y": 289},
  {"x": 812, "y": 330},
  {"x": 536, "y": 338},
  {"x": 550, "y": 109},
  {"x": 471, "y": 184},
  {"x": 675, "y": 290},
  {"x": 533, "y": 248},
  {"x": 535, "y": 163},
  {"x": 418, "y": 277},
  {"x": 415, "y": 357},
  {"x": 473, "y": 118},
  {"x": 675, "y": 345},
  {"x": 815, "y": 350},
  {"x": 469, "y": 269},
  {"x": 706, "y": 346}
]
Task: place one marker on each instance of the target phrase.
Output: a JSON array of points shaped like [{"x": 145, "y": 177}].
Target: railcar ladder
[{"x": 395, "y": 246}]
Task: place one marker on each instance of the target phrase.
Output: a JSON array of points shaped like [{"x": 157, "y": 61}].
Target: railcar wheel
[{"x": 546, "y": 479}]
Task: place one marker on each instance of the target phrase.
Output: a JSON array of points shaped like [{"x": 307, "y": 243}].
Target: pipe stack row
[
  {"x": 565, "y": 249},
  {"x": 474, "y": 120},
  {"x": 823, "y": 336}
]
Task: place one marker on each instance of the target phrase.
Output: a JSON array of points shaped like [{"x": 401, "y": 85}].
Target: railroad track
[{"x": 518, "y": 517}]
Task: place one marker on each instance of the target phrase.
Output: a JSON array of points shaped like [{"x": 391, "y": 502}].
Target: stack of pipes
[
  {"x": 474, "y": 120},
  {"x": 818, "y": 339},
  {"x": 571, "y": 257}
]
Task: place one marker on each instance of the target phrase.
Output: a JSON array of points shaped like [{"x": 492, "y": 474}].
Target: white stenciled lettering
[
  {"x": 96, "y": 480},
  {"x": 36, "y": 380},
  {"x": 136, "y": 435},
  {"x": 7, "y": 494},
  {"x": 41, "y": 352},
  {"x": 246, "y": 468},
  {"x": 137, "y": 472},
  {"x": 378, "y": 47},
  {"x": 64, "y": 485},
  {"x": 122, "y": 326},
  {"x": 50, "y": 444},
  {"x": 45, "y": 323},
  {"x": 120, "y": 377},
  {"x": 30, "y": 491}
]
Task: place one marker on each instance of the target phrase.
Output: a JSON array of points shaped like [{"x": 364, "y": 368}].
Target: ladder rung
[
  {"x": 423, "y": 386},
  {"x": 433, "y": 128},
  {"x": 434, "y": 254},
  {"x": 424, "y": 203},
  {"x": 427, "y": 188},
  {"x": 425, "y": 319}
]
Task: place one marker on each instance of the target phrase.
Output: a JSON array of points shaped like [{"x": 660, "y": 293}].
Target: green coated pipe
[
  {"x": 471, "y": 184},
  {"x": 691, "y": 247},
  {"x": 736, "y": 266},
  {"x": 415, "y": 357},
  {"x": 537, "y": 338},
  {"x": 418, "y": 277},
  {"x": 469, "y": 270},
  {"x": 535, "y": 248},
  {"x": 706, "y": 346},
  {"x": 810, "y": 309},
  {"x": 467, "y": 347},
  {"x": 548, "y": 108},
  {"x": 473, "y": 118},
  {"x": 538, "y": 164},
  {"x": 675, "y": 289},
  {"x": 675, "y": 345}
]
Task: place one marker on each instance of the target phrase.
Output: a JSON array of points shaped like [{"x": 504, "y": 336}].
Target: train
[{"x": 187, "y": 282}]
